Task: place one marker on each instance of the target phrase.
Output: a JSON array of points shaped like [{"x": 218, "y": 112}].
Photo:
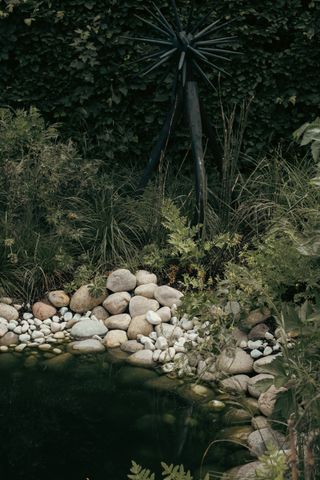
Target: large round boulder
[
  {"x": 234, "y": 361},
  {"x": 139, "y": 326},
  {"x": 83, "y": 300},
  {"x": 8, "y": 312},
  {"x": 42, "y": 310},
  {"x": 143, "y": 277},
  {"x": 141, "y": 305},
  {"x": 167, "y": 296},
  {"x": 121, "y": 280},
  {"x": 117, "y": 303},
  {"x": 88, "y": 328},
  {"x": 118, "y": 322},
  {"x": 115, "y": 338},
  {"x": 59, "y": 298}
]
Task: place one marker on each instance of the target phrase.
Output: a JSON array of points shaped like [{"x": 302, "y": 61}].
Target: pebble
[
  {"x": 256, "y": 353},
  {"x": 27, "y": 316},
  {"x": 276, "y": 347},
  {"x": 37, "y": 334},
  {"x": 168, "y": 367},
  {"x": 156, "y": 355},
  {"x": 255, "y": 344},
  {"x": 161, "y": 343},
  {"x": 48, "y": 321},
  {"x": 148, "y": 345},
  {"x": 45, "y": 347},
  {"x": 25, "y": 337},
  {"x": 63, "y": 310},
  {"x": 153, "y": 336},
  {"x": 153, "y": 318},
  {"x": 55, "y": 327},
  {"x": 267, "y": 351},
  {"x": 268, "y": 336},
  {"x": 58, "y": 335},
  {"x": 68, "y": 316},
  {"x": 17, "y": 330},
  {"x": 57, "y": 351},
  {"x": 4, "y": 348},
  {"x": 55, "y": 318}
]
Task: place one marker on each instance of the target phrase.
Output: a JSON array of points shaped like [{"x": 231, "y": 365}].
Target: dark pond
[{"x": 88, "y": 418}]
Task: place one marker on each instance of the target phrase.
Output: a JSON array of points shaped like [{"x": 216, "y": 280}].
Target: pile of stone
[{"x": 133, "y": 313}]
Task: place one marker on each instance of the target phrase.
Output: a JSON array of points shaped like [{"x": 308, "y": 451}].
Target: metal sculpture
[{"x": 186, "y": 48}]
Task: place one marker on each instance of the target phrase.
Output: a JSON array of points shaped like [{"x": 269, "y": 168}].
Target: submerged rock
[
  {"x": 143, "y": 358},
  {"x": 259, "y": 440},
  {"x": 131, "y": 346},
  {"x": 86, "y": 346}
]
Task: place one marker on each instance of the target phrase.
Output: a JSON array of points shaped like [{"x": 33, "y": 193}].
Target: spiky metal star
[{"x": 187, "y": 48}]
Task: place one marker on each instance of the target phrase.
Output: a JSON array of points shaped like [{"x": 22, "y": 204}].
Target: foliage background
[{"x": 68, "y": 59}]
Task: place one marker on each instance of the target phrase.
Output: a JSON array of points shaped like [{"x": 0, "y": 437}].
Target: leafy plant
[
  {"x": 274, "y": 465},
  {"x": 309, "y": 133},
  {"x": 170, "y": 472}
]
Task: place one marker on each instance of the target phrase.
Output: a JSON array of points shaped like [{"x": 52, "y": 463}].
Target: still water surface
[{"x": 90, "y": 418}]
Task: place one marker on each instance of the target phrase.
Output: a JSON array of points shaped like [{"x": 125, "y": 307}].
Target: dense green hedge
[{"x": 67, "y": 58}]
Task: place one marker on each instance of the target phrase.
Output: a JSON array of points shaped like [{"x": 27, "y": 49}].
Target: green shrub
[{"x": 70, "y": 60}]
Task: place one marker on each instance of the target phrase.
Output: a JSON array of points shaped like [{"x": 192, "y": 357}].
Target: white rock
[
  {"x": 121, "y": 280},
  {"x": 39, "y": 340},
  {"x": 144, "y": 277},
  {"x": 4, "y": 321},
  {"x": 161, "y": 343},
  {"x": 3, "y": 329},
  {"x": 4, "y": 348},
  {"x": 149, "y": 344},
  {"x": 255, "y": 344},
  {"x": 69, "y": 316},
  {"x": 37, "y": 334},
  {"x": 153, "y": 318},
  {"x": 37, "y": 322},
  {"x": 267, "y": 351},
  {"x": 276, "y": 347},
  {"x": 24, "y": 327},
  {"x": 168, "y": 367},
  {"x": 167, "y": 296},
  {"x": 256, "y": 354},
  {"x": 47, "y": 322},
  {"x": 55, "y": 327},
  {"x": 171, "y": 353},
  {"x": 25, "y": 337},
  {"x": 63, "y": 310},
  {"x": 174, "y": 321},
  {"x": 46, "y": 331},
  {"x": 17, "y": 330},
  {"x": 232, "y": 308},
  {"x": 30, "y": 321},
  {"x": 170, "y": 332},
  {"x": 27, "y": 316},
  {"x": 58, "y": 351},
  {"x": 153, "y": 336},
  {"x": 88, "y": 328},
  {"x": 268, "y": 336},
  {"x": 186, "y": 324},
  {"x": 32, "y": 328},
  {"x": 117, "y": 303},
  {"x": 243, "y": 344},
  {"x": 156, "y": 355}
]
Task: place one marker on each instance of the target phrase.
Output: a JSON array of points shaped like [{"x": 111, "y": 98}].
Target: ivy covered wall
[{"x": 68, "y": 58}]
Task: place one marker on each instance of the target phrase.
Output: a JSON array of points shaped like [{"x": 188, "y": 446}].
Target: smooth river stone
[
  {"x": 143, "y": 358},
  {"x": 234, "y": 361},
  {"x": 88, "y": 328},
  {"x": 43, "y": 310},
  {"x": 168, "y": 296},
  {"x": 82, "y": 300},
  {"x": 254, "y": 389},
  {"x": 139, "y": 326},
  {"x": 3, "y": 329},
  {"x": 236, "y": 384},
  {"x": 87, "y": 346},
  {"x": 260, "y": 439},
  {"x": 118, "y": 322},
  {"x": 115, "y": 338},
  {"x": 140, "y": 305},
  {"x": 117, "y": 303},
  {"x": 100, "y": 313},
  {"x": 146, "y": 290},
  {"x": 144, "y": 277},
  {"x": 9, "y": 338},
  {"x": 131, "y": 346},
  {"x": 8, "y": 312},
  {"x": 59, "y": 298},
  {"x": 164, "y": 313},
  {"x": 121, "y": 280}
]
